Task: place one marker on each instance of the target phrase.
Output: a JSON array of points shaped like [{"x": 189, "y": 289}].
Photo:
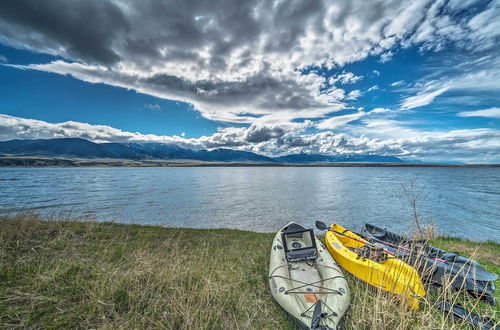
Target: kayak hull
[
  {"x": 437, "y": 266},
  {"x": 299, "y": 286},
  {"x": 389, "y": 274}
]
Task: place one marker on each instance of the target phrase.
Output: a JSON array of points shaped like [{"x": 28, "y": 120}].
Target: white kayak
[{"x": 305, "y": 280}]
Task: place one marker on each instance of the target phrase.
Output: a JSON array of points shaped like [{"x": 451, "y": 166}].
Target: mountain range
[{"x": 81, "y": 148}]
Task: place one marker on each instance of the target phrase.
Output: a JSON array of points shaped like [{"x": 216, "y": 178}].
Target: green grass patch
[{"x": 69, "y": 274}]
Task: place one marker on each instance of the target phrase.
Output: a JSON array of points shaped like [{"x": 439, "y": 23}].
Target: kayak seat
[
  {"x": 370, "y": 253},
  {"x": 379, "y": 234},
  {"x": 299, "y": 244},
  {"x": 308, "y": 254}
]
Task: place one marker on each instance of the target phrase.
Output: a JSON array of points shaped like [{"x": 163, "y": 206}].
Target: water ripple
[{"x": 261, "y": 199}]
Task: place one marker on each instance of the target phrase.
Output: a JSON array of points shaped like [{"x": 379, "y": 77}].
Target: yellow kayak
[{"x": 373, "y": 266}]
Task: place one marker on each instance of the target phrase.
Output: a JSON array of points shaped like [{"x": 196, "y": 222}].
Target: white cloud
[
  {"x": 474, "y": 75},
  {"x": 150, "y": 106},
  {"x": 345, "y": 78},
  {"x": 397, "y": 83},
  {"x": 424, "y": 98},
  {"x": 383, "y": 128},
  {"x": 353, "y": 95},
  {"x": 486, "y": 27},
  {"x": 337, "y": 121},
  {"x": 476, "y": 145},
  {"x": 489, "y": 113},
  {"x": 289, "y": 95},
  {"x": 380, "y": 110},
  {"x": 21, "y": 128},
  {"x": 386, "y": 57},
  {"x": 374, "y": 87}
]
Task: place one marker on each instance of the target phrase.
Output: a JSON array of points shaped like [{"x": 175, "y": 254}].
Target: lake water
[{"x": 463, "y": 202}]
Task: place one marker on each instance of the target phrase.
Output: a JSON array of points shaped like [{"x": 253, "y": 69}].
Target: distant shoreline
[{"x": 27, "y": 162}]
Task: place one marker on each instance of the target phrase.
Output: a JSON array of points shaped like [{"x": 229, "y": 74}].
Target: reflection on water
[{"x": 458, "y": 200}]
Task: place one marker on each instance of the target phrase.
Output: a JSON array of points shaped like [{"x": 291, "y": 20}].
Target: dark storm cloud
[
  {"x": 257, "y": 134},
  {"x": 275, "y": 93},
  {"x": 289, "y": 19},
  {"x": 85, "y": 30},
  {"x": 226, "y": 57}
]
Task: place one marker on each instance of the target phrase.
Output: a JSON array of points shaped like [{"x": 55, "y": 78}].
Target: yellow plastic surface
[{"x": 392, "y": 275}]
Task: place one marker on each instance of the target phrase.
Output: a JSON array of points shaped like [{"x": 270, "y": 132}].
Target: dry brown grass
[{"x": 428, "y": 232}]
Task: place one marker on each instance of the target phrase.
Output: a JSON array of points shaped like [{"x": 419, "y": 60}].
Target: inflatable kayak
[
  {"x": 374, "y": 266},
  {"x": 305, "y": 280},
  {"x": 435, "y": 265}
]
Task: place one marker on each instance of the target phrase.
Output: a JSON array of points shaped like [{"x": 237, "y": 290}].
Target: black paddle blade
[
  {"x": 321, "y": 225},
  {"x": 316, "y": 317}
]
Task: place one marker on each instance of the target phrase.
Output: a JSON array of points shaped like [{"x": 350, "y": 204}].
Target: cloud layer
[
  {"x": 489, "y": 113},
  {"x": 230, "y": 59},
  {"x": 262, "y": 64},
  {"x": 459, "y": 145}
]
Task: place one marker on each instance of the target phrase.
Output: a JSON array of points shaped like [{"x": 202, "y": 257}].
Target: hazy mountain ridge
[{"x": 81, "y": 148}]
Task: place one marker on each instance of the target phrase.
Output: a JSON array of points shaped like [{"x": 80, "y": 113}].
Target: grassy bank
[{"x": 102, "y": 275}]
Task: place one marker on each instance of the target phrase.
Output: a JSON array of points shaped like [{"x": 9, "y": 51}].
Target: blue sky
[
  {"x": 418, "y": 80},
  {"x": 59, "y": 98}
]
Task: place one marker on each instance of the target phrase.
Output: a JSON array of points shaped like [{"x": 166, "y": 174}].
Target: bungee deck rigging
[{"x": 304, "y": 284}]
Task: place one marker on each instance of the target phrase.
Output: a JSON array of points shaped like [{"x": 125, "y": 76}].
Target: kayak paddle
[{"x": 322, "y": 226}]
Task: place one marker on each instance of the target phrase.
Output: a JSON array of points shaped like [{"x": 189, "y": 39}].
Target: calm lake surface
[{"x": 463, "y": 202}]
